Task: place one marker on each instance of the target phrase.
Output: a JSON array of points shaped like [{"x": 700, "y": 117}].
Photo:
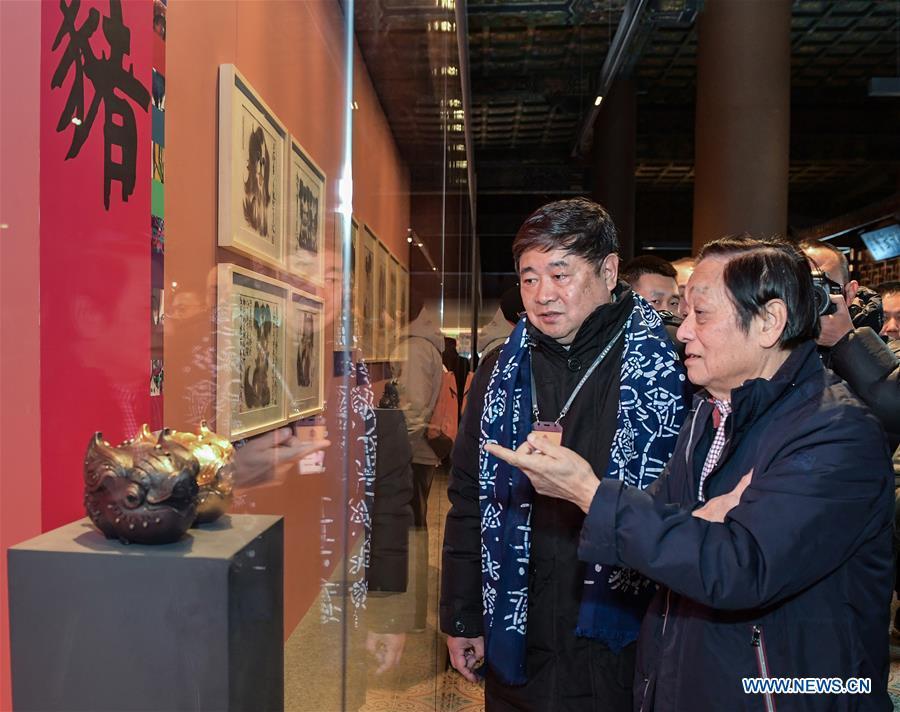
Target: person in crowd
[
  {"x": 863, "y": 303},
  {"x": 830, "y": 260},
  {"x": 591, "y": 365},
  {"x": 496, "y": 331},
  {"x": 418, "y": 379},
  {"x": 389, "y": 613},
  {"x": 458, "y": 366},
  {"x": 850, "y": 347},
  {"x": 655, "y": 280},
  {"x": 684, "y": 268},
  {"x": 418, "y": 376},
  {"x": 890, "y": 331},
  {"x": 890, "y": 303},
  {"x": 770, "y": 531}
]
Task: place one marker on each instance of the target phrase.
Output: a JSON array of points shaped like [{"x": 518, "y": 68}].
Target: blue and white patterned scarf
[
  {"x": 650, "y": 411},
  {"x": 357, "y": 439}
]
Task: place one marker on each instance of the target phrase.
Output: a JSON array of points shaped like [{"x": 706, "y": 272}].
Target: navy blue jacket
[{"x": 796, "y": 582}]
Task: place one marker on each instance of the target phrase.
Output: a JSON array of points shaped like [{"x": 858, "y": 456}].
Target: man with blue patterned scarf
[{"x": 589, "y": 365}]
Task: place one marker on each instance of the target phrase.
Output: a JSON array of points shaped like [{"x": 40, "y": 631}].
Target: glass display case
[{"x": 257, "y": 216}]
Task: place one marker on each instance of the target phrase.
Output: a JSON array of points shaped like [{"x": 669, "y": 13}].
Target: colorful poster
[{"x": 157, "y": 217}]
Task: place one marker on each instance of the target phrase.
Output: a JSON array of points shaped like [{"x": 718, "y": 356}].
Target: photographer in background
[
  {"x": 849, "y": 340},
  {"x": 890, "y": 331},
  {"x": 851, "y": 348}
]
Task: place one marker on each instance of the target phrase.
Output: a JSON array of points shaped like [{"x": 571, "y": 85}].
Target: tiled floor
[{"x": 420, "y": 683}]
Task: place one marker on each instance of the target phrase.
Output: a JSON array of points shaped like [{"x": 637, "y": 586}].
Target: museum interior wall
[{"x": 20, "y": 441}]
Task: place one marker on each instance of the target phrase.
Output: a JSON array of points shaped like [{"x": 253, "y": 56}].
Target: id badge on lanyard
[
  {"x": 548, "y": 430},
  {"x": 551, "y": 430}
]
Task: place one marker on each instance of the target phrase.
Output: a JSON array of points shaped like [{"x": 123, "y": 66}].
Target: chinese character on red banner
[{"x": 106, "y": 75}]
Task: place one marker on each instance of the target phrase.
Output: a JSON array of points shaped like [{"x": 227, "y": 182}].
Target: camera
[{"x": 823, "y": 289}]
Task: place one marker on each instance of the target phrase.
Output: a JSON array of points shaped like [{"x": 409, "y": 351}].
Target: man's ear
[
  {"x": 609, "y": 271},
  {"x": 850, "y": 290},
  {"x": 774, "y": 322}
]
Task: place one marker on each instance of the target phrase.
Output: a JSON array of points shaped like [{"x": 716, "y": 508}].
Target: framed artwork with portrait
[
  {"x": 305, "y": 217},
  {"x": 250, "y": 349},
  {"x": 344, "y": 340},
  {"x": 368, "y": 256},
  {"x": 253, "y": 150},
  {"x": 304, "y": 367}
]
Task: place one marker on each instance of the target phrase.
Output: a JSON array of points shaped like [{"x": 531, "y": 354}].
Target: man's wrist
[
  {"x": 844, "y": 337},
  {"x": 589, "y": 491}
]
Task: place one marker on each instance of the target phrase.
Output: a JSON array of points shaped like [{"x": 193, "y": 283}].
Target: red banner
[{"x": 96, "y": 76}]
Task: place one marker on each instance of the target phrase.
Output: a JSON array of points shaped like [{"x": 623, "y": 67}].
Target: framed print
[
  {"x": 368, "y": 251},
  {"x": 382, "y": 263},
  {"x": 304, "y": 373},
  {"x": 393, "y": 295},
  {"x": 250, "y": 338},
  {"x": 344, "y": 341},
  {"x": 253, "y": 146},
  {"x": 306, "y": 217},
  {"x": 402, "y": 312},
  {"x": 404, "y": 298}
]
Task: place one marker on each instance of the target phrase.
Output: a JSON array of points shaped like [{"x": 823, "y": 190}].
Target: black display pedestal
[{"x": 197, "y": 625}]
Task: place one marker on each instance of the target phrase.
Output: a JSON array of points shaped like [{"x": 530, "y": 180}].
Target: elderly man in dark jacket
[
  {"x": 594, "y": 361},
  {"x": 770, "y": 532}
]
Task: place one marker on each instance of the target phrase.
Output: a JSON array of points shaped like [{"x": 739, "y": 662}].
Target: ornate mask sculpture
[
  {"x": 143, "y": 491},
  {"x": 216, "y": 477},
  {"x": 151, "y": 489}
]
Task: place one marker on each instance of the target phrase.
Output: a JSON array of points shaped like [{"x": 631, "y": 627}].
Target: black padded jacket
[{"x": 872, "y": 370}]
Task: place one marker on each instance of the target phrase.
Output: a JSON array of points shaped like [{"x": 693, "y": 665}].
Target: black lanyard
[{"x": 565, "y": 409}]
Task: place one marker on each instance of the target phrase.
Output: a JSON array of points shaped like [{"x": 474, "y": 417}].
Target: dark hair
[
  {"x": 579, "y": 226},
  {"x": 761, "y": 270},
  {"x": 511, "y": 304},
  {"x": 886, "y": 288},
  {"x": 828, "y": 247},
  {"x": 646, "y": 264},
  {"x": 258, "y": 152}
]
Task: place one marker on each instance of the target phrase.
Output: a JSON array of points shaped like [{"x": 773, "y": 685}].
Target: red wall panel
[
  {"x": 20, "y": 477},
  {"x": 95, "y": 261}
]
